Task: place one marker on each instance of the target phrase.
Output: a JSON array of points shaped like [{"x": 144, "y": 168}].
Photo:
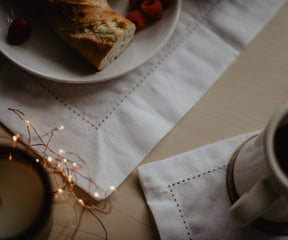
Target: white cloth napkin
[
  {"x": 188, "y": 197},
  {"x": 113, "y": 125}
]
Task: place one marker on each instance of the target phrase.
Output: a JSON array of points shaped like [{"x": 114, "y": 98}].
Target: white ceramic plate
[{"x": 45, "y": 55}]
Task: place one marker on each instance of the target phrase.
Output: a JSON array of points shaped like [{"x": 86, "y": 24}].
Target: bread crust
[{"x": 92, "y": 28}]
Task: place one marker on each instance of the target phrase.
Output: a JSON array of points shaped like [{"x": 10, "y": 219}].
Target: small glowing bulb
[
  {"x": 37, "y": 160},
  {"x": 81, "y": 202},
  {"x": 10, "y": 157},
  {"x": 74, "y": 165},
  {"x": 60, "y": 190},
  {"x": 96, "y": 195},
  {"x": 112, "y": 188},
  {"x": 27, "y": 122},
  {"x": 60, "y": 165},
  {"x": 50, "y": 159},
  {"x": 61, "y": 151},
  {"x": 61, "y": 127},
  {"x": 69, "y": 178},
  {"x": 15, "y": 138},
  {"x": 64, "y": 160}
]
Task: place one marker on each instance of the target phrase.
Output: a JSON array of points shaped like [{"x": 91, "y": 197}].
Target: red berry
[
  {"x": 18, "y": 31},
  {"x": 152, "y": 9},
  {"x": 137, "y": 18}
]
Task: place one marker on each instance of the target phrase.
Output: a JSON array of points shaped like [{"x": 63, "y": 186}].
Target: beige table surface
[{"x": 241, "y": 100}]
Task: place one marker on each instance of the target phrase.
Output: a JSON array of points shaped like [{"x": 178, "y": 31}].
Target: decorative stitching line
[
  {"x": 74, "y": 110},
  {"x": 172, "y": 49},
  {"x": 189, "y": 179}
]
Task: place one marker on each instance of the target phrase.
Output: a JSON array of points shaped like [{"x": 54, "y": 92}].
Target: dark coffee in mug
[{"x": 281, "y": 147}]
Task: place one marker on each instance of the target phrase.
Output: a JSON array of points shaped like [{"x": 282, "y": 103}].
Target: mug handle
[{"x": 252, "y": 204}]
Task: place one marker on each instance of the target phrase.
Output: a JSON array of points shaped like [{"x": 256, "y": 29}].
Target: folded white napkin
[
  {"x": 113, "y": 125},
  {"x": 188, "y": 197}
]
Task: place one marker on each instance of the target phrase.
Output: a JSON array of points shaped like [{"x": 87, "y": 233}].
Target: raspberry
[
  {"x": 137, "y": 18},
  {"x": 18, "y": 31},
  {"x": 152, "y": 9}
]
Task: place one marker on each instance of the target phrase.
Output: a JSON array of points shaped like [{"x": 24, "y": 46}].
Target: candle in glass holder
[{"x": 25, "y": 196}]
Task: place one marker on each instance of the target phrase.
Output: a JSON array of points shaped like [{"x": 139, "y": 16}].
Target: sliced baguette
[{"x": 92, "y": 28}]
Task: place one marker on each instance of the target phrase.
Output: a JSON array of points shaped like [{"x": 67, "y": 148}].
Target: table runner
[
  {"x": 113, "y": 125},
  {"x": 188, "y": 196}
]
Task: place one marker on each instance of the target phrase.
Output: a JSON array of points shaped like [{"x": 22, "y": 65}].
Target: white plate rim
[{"x": 92, "y": 79}]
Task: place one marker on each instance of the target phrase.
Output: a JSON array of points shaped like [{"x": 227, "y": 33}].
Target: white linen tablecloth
[
  {"x": 113, "y": 125},
  {"x": 188, "y": 197}
]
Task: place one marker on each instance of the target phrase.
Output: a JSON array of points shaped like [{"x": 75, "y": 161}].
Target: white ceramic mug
[{"x": 259, "y": 180}]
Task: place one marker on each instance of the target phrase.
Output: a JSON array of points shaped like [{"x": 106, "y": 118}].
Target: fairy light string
[{"x": 62, "y": 163}]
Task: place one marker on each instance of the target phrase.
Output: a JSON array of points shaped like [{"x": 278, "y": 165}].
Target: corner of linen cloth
[{"x": 164, "y": 183}]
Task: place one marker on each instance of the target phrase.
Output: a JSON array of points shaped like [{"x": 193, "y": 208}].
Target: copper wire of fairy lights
[{"x": 60, "y": 164}]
